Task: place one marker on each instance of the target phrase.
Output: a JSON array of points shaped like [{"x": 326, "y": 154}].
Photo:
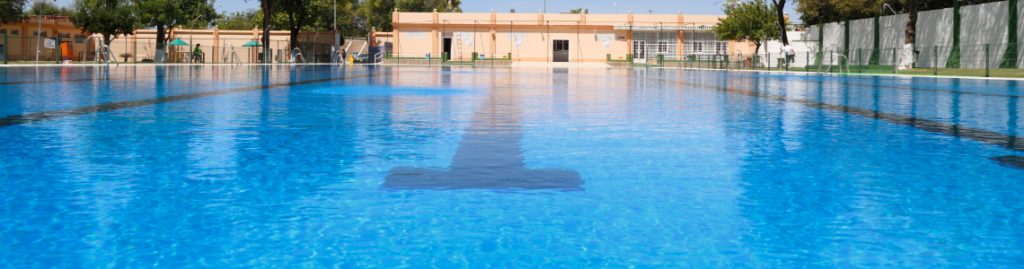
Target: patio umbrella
[
  {"x": 178, "y": 43},
  {"x": 251, "y": 44}
]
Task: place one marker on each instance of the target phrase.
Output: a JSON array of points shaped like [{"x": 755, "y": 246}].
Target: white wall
[
  {"x": 891, "y": 35},
  {"x": 1020, "y": 35},
  {"x": 934, "y": 28},
  {"x": 980, "y": 25},
  {"x": 833, "y": 42},
  {"x": 802, "y": 42},
  {"x": 862, "y": 40}
]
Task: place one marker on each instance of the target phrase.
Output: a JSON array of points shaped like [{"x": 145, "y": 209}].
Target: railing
[
  {"x": 297, "y": 56},
  {"x": 102, "y": 50}
]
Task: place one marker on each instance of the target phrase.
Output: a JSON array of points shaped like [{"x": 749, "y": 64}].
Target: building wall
[
  {"x": 529, "y": 37},
  {"x": 21, "y": 40}
]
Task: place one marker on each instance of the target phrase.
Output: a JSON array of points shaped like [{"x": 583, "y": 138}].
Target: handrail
[
  {"x": 96, "y": 51},
  {"x": 842, "y": 60},
  {"x": 297, "y": 55},
  {"x": 379, "y": 57},
  {"x": 106, "y": 56}
]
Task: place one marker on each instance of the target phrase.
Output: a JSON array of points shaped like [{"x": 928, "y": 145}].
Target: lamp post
[
  {"x": 337, "y": 36},
  {"x": 39, "y": 31}
]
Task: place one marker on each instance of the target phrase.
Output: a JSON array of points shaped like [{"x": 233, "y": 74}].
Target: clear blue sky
[{"x": 554, "y": 6}]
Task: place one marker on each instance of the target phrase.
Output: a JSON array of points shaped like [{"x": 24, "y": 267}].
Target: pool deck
[{"x": 573, "y": 65}]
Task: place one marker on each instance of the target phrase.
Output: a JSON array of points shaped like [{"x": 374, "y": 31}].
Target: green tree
[
  {"x": 11, "y": 10},
  {"x": 244, "y": 20},
  {"x": 167, "y": 14},
  {"x": 47, "y": 8},
  {"x": 297, "y": 14},
  {"x": 109, "y": 18},
  {"x": 375, "y": 13},
  {"x": 578, "y": 11},
  {"x": 748, "y": 21}
]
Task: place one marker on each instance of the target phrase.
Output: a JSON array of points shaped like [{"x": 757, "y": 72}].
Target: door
[
  {"x": 65, "y": 50},
  {"x": 447, "y": 49},
  {"x": 560, "y": 51},
  {"x": 639, "y": 49}
]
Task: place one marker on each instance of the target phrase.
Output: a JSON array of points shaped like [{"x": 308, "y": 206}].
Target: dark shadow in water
[
  {"x": 48, "y": 115},
  {"x": 489, "y": 157},
  {"x": 1010, "y": 161},
  {"x": 952, "y": 129}
]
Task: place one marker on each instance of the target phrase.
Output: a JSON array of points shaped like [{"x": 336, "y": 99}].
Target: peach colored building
[
  {"x": 19, "y": 39},
  {"x": 538, "y": 37}
]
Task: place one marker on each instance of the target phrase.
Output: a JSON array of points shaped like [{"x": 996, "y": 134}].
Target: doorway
[
  {"x": 639, "y": 50},
  {"x": 447, "y": 49},
  {"x": 560, "y": 51}
]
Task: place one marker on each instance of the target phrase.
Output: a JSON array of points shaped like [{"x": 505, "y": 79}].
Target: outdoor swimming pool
[{"x": 316, "y": 166}]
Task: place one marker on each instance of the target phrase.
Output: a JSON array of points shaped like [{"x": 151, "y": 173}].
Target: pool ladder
[{"x": 843, "y": 60}]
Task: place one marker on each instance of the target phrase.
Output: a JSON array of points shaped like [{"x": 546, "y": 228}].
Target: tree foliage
[
  {"x": 109, "y": 18},
  {"x": 167, "y": 14},
  {"x": 243, "y": 20},
  {"x": 11, "y": 10},
  {"x": 377, "y": 13},
  {"x": 752, "y": 21},
  {"x": 48, "y": 9}
]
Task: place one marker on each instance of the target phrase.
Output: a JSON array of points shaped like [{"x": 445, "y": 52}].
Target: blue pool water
[{"x": 320, "y": 166}]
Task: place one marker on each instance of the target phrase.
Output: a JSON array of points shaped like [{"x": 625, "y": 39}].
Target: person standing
[{"x": 197, "y": 55}]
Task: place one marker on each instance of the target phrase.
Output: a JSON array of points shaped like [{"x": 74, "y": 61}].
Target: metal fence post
[
  {"x": 5, "y": 48},
  {"x": 986, "y": 60},
  {"x": 832, "y": 58},
  {"x": 860, "y": 69},
  {"x": 894, "y": 64},
  {"x": 935, "y": 59},
  {"x": 807, "y": 61},
  {"x": 768, "y": 55}
]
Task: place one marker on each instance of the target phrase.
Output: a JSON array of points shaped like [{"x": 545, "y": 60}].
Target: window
[
  {"x": 663, "y": 46},
  {"x": 14, "y": 32},
  {"x": 698, "y": 47},
  {"x": 3, "y": 31},
  {"x": 79, "y": 38},
  {"x": 34, "y": 33},
  {"x": 720, "y": 47}
]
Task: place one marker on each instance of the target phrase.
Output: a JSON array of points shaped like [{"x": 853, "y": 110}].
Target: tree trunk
[
  {"x": 268, "y": 11},
  {"x": 161, "y": 37},
  {"x": 293, "y": 41},
  {"x": 780, "y": 14},
  {"x": 909, "y": 55},
  {"x": 106, "y": 39},
  {"x": 911, "y": 31}
]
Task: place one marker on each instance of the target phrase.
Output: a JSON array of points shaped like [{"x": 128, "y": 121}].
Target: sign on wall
[
  {"x": 517, "y": 38},
  {"x": 605, "y": 39},
  {"x": 50, "y": 43},
  {"x": 415, "y": 35}
]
